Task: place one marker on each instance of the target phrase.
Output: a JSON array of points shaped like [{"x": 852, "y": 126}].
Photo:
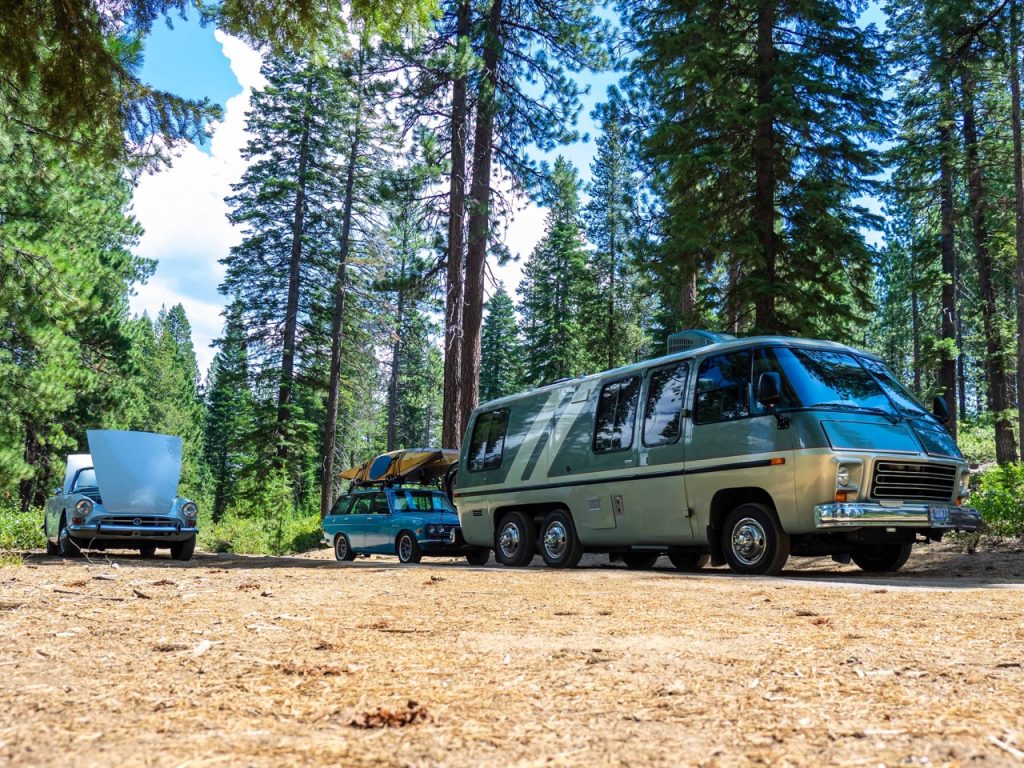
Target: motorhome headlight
[
  {"x": 965, "y": 483},
  {"x": 189, "y": 509},
  {"x": 843, "y": 475},
  {"x": 83, "y": 507}
]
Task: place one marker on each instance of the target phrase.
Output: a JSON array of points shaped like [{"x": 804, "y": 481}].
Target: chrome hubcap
[
  {"x": 749, "y": 541},
  {"x": 340, "y": 547},
  {"x": 556, "y": 539},
  {"x": 508, "y": 540},
  {"x": 405, "y": 548}
]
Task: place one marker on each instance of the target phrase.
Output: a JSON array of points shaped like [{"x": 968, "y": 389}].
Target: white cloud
[{"x": 184, "y": 215}]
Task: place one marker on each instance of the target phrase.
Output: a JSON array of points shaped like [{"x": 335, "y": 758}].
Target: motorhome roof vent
[{"x": 683, "y": 341}]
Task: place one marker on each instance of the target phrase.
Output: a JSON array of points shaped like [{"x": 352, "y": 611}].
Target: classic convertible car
[{"x": 122, "y": 495}]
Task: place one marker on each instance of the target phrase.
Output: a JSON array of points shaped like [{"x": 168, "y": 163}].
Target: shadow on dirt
[{"x": 927, "y": 570}]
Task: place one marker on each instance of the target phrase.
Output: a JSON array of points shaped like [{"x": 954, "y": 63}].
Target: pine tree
[
  {"x": 557, "y": 287},
  {"x": 758, "y": 116},
  {"x": 229, "y": 415},
  {"x": 616, "y": 321},
  {"x": 501, "y": 356},
  {"x": 285, "y": 205}
]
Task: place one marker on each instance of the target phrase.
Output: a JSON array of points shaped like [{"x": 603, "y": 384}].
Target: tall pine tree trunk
[
  {"x": 1018, "y": 183},
  {"x": 291, "y": 315},
  {"x": 337, "y": 322},
  {"x": 764, "y": 172},
  {"x": 688, "y": 293},
  {"x": 947, "y": 246},
  {"x": 610, "y": 329},
  {"x": 916, "y": 310},
  {"x": 451, "y": 421},
  {"x": 479, "y": 218},
  {"x": 396, "y": 353},
  {"x": 1006, "y": 448}
]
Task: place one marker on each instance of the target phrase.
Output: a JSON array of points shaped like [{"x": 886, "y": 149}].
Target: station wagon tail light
[{"x": 83, "y": 507}]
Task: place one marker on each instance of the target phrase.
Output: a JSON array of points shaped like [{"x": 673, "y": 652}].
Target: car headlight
[
  {"x": 189, "y": 509},
  {"x": 432, "y": 530},
  {"x": 843, "y": 475},
  {"x": 965, "y": 483},
  {"x": 83, "y": 507}
]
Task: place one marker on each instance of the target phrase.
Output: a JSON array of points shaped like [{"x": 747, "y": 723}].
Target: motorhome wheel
[
  {"x": 515, "y": 540},
  {"x": 882, "y": 557},
  {"x": 754, "y": 542},
  {"x": 560, "y": 546}
]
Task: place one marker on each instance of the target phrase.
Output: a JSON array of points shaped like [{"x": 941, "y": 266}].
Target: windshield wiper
[{"x": 892, "y": 418}]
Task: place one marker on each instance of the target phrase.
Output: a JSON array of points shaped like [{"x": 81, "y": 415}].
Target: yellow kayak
[{"x": 410, "y": 465}]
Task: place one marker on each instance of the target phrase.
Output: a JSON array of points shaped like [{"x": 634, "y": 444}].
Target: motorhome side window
[
  {"x": 665, "y": 393},
  {"x": 488, "y": 441},
  {"x": 616, "y": 415},
  {"x": 723, "y": 388}
]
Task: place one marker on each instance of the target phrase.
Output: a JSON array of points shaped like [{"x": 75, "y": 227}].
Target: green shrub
[
  {"x": 999, "y": 496},
  {"x": 20, "y": 530},
  {"x": 262, "y": 536},
  {"x": 977, "y": 441}
]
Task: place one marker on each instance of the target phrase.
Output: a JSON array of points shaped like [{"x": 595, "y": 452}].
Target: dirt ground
[{"x": 236, "y": 661}]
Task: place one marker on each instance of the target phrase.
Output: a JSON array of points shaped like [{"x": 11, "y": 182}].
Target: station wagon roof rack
[{"x": 691, "y": 338}]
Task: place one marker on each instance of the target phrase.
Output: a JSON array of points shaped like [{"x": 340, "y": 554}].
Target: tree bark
[
  {"x": 610, "y": 329},
  {"x": 947, "y": 247},
  {"x": 479, "y": 218},
  {"x": 291, "y": 314},
  {"x": 1006, "y": 448},
  {"x": 916, "y": 310},
  {"x": 1018, "y": 184},
  {"x": 337, "y": 320},
  {"x": 451, "y": 421},
  {"x": 396, "y": 353},
  {"x": 764, "y": 170}
]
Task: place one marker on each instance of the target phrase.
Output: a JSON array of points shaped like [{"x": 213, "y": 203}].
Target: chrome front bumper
[
  {"x": 103, "y": 530},
  {"x": 868, "y": 515}
]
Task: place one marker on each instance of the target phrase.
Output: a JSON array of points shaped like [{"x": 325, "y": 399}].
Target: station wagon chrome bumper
[{"x": 917, "y": 515}]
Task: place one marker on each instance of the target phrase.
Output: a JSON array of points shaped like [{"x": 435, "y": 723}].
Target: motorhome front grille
[{"x": 902, "y": 480}]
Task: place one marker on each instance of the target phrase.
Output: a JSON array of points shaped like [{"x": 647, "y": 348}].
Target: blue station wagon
[{"x": 408, "y": 522}]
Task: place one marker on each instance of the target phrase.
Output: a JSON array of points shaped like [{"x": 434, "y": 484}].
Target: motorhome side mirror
[
  {"x": 941, "y": 409},
  {"x": 769, "y": 389}
]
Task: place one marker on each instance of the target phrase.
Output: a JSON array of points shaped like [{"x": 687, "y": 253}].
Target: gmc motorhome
[{"x": 738, "y": 451}]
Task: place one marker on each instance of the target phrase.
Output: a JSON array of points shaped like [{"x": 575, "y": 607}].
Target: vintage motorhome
[{"x": 738, "y": 451}]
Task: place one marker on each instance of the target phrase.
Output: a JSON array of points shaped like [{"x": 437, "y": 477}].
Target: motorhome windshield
[{"x": 822, "y": 378}]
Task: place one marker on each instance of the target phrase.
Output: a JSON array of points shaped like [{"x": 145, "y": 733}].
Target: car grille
[
  {"x": 141, "y": 522},
  {"x": 903, "y": 480}
]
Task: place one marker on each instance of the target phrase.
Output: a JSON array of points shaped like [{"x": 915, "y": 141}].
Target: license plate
[{"x": 938, "y": 515}]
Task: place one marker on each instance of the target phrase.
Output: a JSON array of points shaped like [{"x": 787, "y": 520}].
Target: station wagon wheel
[
  {"x": 688, "y": 561},
  {"x": 515, "y": 540},
  {"x": 754, "y": 542},
  {"x": 559, "y": 545},
  {"x": 408, "y": 548},
  {"x": 342, "y": 550},
  {"x": 878, "y": 558},
  {"x": 66, "y": 546},
  {"x": 640, "y": 561}
]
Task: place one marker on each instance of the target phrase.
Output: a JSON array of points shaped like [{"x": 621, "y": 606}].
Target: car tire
[
  {"x": 559, "y": 545},
  {"x": 182, "y": 550},
  {"x": 639, "y": 561},
  {"x": 66, "y": 545},
  {"x": 51, "y": 547},
  {"x": 879, "y": 558},
  {"x": 407, "y": 549},
  {"x": 343, "y": 548},
  {"x": 479, "y": 557},
  {"x": 147, "y": 550},
  {"x": 515, "y": 540},
  {"x": 688, "y": 561},
  {"x": 754, "y": 542}
]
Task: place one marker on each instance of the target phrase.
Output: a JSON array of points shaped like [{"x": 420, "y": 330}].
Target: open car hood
[{"x": 137, "y": 472}]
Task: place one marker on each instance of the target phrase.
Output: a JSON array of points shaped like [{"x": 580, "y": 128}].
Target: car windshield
[
  {"x": 824, "y": 379},
  {"x": 899, "y": 394},
  {"x": 420, "y": 501},
  {"x": 86, "y": 478}
]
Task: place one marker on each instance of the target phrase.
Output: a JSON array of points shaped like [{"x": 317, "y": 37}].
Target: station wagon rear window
[
  {"x": 616, "y": 415},
  {"x": 487, "y": 444},
  {"x": 723, "y": 388}
]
